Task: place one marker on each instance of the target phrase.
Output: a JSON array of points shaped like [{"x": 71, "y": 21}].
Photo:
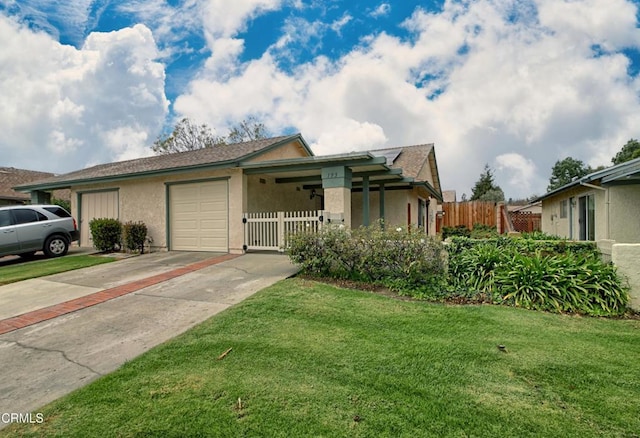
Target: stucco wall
[
  {"x": 144, "y": 200},
  {"x": 624, "y": 213},
  {"x": 552, "y": 223},
  {"x": 626, "y": 257},
  {"x": 425, "y": 173},
  {"x": 395, "y": 207},
  {"x": 289, "y": 150},
  {"x": 265, "y": 195}
]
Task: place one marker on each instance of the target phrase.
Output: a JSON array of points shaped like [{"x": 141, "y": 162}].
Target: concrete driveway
[{"x": 63, "y": 331}]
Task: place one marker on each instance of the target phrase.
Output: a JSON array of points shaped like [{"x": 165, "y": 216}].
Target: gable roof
[
  {"x": 400, "y": 166},
  {"x": 11, "y": 177},
  {"x": 624, "y": 173},
  {"x": 218, "y": 156},
  {"x": 412, "y": 159}
]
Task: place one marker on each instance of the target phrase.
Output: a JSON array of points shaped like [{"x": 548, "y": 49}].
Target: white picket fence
[{"x": 269, "y": 230}]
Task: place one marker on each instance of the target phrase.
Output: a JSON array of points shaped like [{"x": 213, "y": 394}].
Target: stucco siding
[
  {"x": 425, "y": 173},
  {"x": 569, "y": 226},
  {"x": 395, "y": 207},
  {"x": 289, "y": 150},
  {"x": 144, "y": 200},
  {"x": 624, "y": 204},
  {"x": 264, "y": 194}
]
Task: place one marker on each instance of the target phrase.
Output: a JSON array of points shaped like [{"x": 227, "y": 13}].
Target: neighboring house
[
  {"x": 533, "y": 208},
  {"x": 603, "y": 205},
  {"x": 11, "y": 177},
  {"x": 197, "y": 200},
  {"x": 449, "y": 196}
]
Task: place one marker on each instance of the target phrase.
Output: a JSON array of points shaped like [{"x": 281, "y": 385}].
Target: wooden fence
[
  {"x": 469, "y": 213},
  {"x": 488, "y": 213}
]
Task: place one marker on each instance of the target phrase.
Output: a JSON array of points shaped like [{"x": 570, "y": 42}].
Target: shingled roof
[
  {"x": 11, "y": 177},
  {"x": 218, "y": 155}
]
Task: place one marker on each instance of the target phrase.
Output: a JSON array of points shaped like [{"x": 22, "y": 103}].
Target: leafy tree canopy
[
  {"x": 565, "y": 171},
  {"x": 628, "y": 152},
  {"x": 485, "y": 188},
  {"x": 247, "y": 130},
  {"x": 188, "y": 136}
]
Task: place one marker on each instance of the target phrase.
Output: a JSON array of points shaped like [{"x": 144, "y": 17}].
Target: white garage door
[
  {"x": 96, "y": 205},
  {"x": 199, "y": 216}
]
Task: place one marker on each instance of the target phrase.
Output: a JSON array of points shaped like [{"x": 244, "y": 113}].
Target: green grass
[
  {"x": 310, "y": 359},
  {"x": 40, "y": 268}
]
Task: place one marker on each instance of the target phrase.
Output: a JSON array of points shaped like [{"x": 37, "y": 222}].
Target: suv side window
[
  {"x": 26, "y": 215},
  {"x": 58, "y": 211},
  {"x": 5, "y": 218}
]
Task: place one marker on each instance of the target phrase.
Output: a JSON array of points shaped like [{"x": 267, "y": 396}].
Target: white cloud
[
  {"x": 382, "y": 10},
  {"x": 338, "y": 24},
  {"x": 483, "y": 79},
  {"x": 519, "y": 170},
  {"x": 63, "y": 107},
  {"x": 512, "y": 82},
  {"x": 223, "y": 18}
]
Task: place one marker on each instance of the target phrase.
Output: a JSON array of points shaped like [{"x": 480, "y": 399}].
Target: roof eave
[{"x": 113, "y": 178}]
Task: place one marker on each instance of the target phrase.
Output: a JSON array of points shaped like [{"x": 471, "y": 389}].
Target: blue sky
[{"x": 517, "y": 84}]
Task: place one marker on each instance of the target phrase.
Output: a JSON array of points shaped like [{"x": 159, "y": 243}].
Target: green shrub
[
  {"x": 472, "y": 271},
  {"x": 482, "y": 231},
  {"x": 540, "y": 235},
  {"x": 134, "y": 235},
  {"x": 406, "y": 261},
  {"x": 562, "y": 283},
  {"x": 458, "y": 230},
  {"x": 106, "y": 234},
  {"x": 62, "y": 203},
  {"x": 557, "y": 276},
  {"x": 459, "y": 244}
]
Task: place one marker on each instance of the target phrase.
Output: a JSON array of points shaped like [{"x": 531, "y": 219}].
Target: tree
[
  {"x": 496, "y": 195},
  {"x": 628, "y": 152},
  {"x": 565, "y": 171},
  {"x": 187, "y": 136},
  {"x": 247, "y": 130},
  {"x": 485, "y": 188}
]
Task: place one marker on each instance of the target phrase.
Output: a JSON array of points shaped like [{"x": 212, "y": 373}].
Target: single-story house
[
  {"x": 203, "y": 200},
  {"x": 532, "y": 208},
  {"x": 11, "y": 177},
  {"x": 603, "y": 205}
]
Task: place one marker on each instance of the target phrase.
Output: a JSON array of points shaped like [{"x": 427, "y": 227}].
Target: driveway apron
[{"x": 109, "y": 314}]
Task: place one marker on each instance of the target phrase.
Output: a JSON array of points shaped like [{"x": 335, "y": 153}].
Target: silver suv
[{"x": 25, "y": 229}]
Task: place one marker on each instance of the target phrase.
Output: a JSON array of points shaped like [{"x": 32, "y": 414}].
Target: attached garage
[
  {"x": 94, "y": 205},
  {"x": 199, "y": 216}
]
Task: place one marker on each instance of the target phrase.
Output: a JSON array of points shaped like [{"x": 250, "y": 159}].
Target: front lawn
[
  {"x": 40, "y": 268},
  {"x": 310, "y": 359}
]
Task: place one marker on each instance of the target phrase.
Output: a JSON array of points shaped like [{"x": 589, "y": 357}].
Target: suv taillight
[{"x": 75, "y": 225}]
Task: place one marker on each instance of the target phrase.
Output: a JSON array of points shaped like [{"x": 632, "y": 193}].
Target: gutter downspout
[{"x": 606, "y": 210}]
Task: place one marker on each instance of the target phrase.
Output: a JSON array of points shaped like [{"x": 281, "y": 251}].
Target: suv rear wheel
[{"x": 55, "y": 246}]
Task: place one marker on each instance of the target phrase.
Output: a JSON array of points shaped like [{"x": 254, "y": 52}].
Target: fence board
[{"x": 469, "y": 213}]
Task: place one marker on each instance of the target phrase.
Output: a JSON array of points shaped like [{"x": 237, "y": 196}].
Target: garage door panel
[
  {"x": 95, "y": 206},
  {"x": 199, "y": 216}
]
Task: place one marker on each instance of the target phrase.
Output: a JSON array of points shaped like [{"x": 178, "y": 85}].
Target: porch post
[
  {"x": 336, "y": 183},
  {"x": 382, "y": 204},
  {"x": 365, "y": 200}
]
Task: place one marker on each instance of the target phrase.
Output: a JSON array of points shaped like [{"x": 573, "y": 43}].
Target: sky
[{"x": 516, "y": 84}]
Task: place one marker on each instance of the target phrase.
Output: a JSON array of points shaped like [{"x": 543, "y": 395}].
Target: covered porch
[{"x": 355, "y": 189}]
